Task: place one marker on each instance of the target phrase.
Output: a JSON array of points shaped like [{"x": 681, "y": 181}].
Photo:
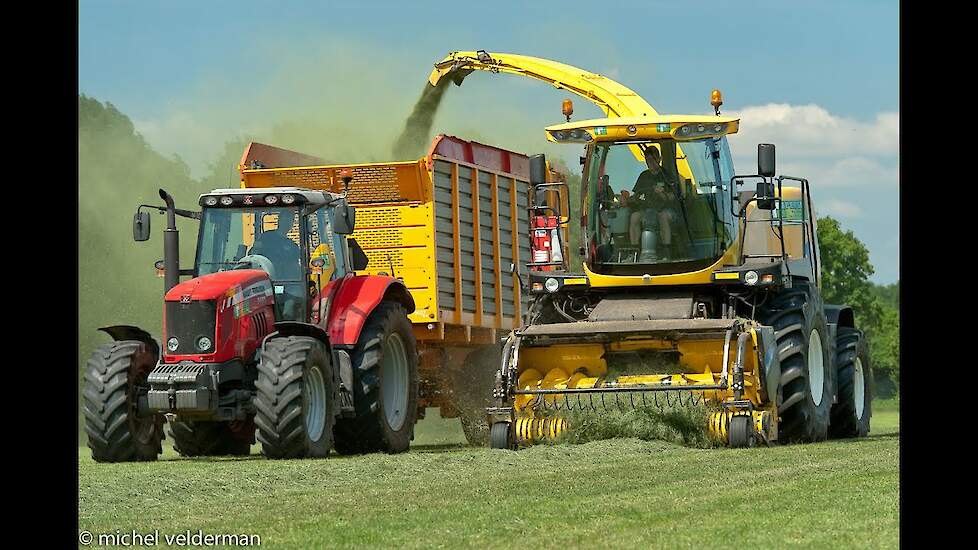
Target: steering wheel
[{"x": 257, "y": 261}]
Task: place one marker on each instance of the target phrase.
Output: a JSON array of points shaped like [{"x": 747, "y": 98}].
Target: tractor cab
[
  {"x": 655, "y": 192},
  {"x": 289, "y": 233}
]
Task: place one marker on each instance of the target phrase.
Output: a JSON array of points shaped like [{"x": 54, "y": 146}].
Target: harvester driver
[{"x": 651, "y": 194}]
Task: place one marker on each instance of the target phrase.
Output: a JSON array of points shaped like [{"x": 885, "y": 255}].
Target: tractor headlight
[
  {"x": 552, "y": 285},
  {"x": 172, "y": 344},
  {"x": 271, "y": 199},
  {"x": 226, "y": 200},
  {"x": 288, "y": 199},
  {"x": 750, "y": 278},
  {"x": 210, "y": 201},
  {"x": 204, "y": 343}
]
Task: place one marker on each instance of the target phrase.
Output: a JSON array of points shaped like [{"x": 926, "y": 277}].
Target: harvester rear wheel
[
  {"x": 499, "y": 436},
  {"x": 200, "y": 438},
  {"x": 116, "y": 431},
  {"x": 741, "y": 432},
  {"x": 385, "y": 386},
  {"x": 807, "y": 375},
  {"x": 295, "y": 398},
  {"x": 851, "y": 414}
]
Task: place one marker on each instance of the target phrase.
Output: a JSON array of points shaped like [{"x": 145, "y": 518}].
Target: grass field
[{"x": 617, "y": 493}]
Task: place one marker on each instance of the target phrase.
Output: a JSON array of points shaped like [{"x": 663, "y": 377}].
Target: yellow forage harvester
[{"x": 693, "y": 288}]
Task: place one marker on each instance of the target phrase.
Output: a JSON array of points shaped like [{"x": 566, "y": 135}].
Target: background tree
[{"x": 845, "y": 280}]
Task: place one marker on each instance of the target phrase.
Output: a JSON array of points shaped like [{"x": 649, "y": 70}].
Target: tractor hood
[{"x": 218, "y": 285}]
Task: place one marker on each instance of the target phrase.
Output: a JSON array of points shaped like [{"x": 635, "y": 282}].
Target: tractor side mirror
[
  {"x": 765, "y": 195},
  {"x": 140, "y": 226},
  {"x": 765, "y": 159},
  {"x": 344, "y": 219}
]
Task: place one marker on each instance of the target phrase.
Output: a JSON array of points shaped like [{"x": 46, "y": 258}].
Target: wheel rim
[
  {"x": 859, "y": 387},
  {"x": 315, "y": 403},
  {"x": 816, "y": 368},
  {"x": 394, "y": 380}
]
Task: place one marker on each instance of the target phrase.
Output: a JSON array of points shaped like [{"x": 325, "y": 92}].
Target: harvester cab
[
  {"x": 693, "y": 292},
  {"x": 262, "y": 339}
]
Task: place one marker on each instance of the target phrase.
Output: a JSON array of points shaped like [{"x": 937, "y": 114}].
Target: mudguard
[
  {"x": 356, "y": 299},
  {"x": 121, "y": 333},
  {"x": 842, "y": 316}
]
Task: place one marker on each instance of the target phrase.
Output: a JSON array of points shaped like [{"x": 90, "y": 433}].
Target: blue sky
[{"x": 821, "y": 80}]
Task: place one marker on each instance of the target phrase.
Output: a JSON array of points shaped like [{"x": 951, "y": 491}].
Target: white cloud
[
  {"x": 812, "y": 131},
  {"x": 839, "y": 208},
  {"x": 828, "y": 150}
]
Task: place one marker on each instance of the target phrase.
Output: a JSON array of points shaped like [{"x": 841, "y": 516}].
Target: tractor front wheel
[
  {"x": 117, "y": 432},
  {"x": 385, "y": 385},
  {"x": 295, "y": 398}
]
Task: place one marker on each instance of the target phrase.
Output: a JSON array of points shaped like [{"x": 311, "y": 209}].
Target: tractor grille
[{"x": 188, "y": 322}]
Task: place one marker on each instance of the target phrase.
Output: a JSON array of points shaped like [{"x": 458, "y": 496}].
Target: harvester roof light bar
[{"x": 643, "y": 127}]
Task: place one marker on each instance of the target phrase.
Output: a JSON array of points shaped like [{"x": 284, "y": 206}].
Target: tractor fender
[
  {"x": 356, "y": 299},
  {"x": 298, "y": 328},
  {"x": 842, "y": 316},
  {"x": 121, "y": 333}
]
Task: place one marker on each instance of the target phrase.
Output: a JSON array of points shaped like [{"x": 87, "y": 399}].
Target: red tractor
[{"x": 273, "y": 335}]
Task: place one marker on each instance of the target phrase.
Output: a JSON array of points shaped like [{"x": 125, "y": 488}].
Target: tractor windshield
[
  {"x": 257, "y": 238},
  {"x": 657, "y": 206}
]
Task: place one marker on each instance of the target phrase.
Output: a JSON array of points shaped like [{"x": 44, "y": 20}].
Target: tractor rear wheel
[
  {"x": 295, "y": 398},
  {"x": 197, "y": 438},
  {"x": 116, "y": 431},
  {"x": 852, "y": 411},
  {"x": 807, "y": 377},
  {"x": 385, "y": 385}
]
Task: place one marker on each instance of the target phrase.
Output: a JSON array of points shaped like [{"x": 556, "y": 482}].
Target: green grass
[{"x": 618, "y": 493}]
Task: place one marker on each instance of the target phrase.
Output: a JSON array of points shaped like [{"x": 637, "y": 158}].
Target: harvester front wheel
[
  {"x": 385, "y": 385},
  {"x": 851, "y": 414},
  {"x": 499, "y": 436},
  {"x": 295, "y": 398},
  {"x": 116, "y": 430},
  {"x": 197, "y": 438},
  {"x": 807, "y": 374}
]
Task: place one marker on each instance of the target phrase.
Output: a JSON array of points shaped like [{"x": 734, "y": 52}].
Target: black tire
[
  {"x": 197, "y": 438},
  {"x": 499, "y": 436},
  {"x": 387, "y": 330},
  {"x": 741, "y": 432},
  {"x": 852, "y": 356},
  {"x": 295, "y": 398},
  {"x": 472, "y": 386},
  {"x": 116, "y": 432},
  {"x": 795, "y": 314}
]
